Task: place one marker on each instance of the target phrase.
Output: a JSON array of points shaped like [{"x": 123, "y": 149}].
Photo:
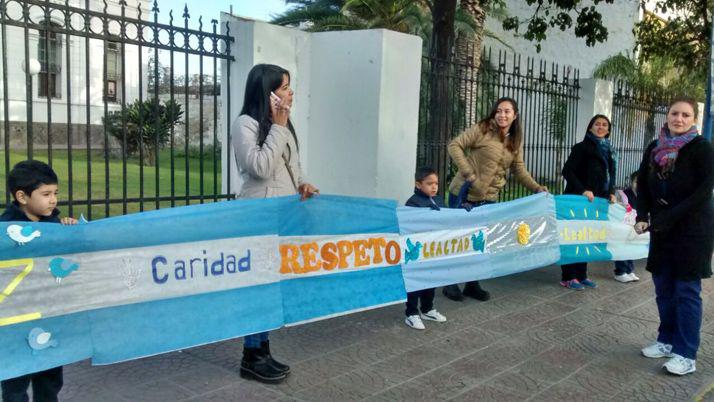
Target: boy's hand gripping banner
[{"x": 142, "y": 284}]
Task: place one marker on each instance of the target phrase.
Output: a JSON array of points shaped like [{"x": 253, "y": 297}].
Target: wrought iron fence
[
  {"x": 637, "y": 116},
  {"x": 547, "y": 96},
  {"x": 125, "y": 107}
]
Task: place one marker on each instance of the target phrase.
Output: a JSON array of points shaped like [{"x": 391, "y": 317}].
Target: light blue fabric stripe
[
  {"x": 415, "y": 220},
  {"x": 319, "y": 296},
  {"x": 588, "y": 252},
  {"x": 145, "y": 329},
  {"x": 72, "y": 332},
  {"x": 172, "y": 225},
  {"x": 337, "y": 215},
  {"x": 576, "y": 207}
]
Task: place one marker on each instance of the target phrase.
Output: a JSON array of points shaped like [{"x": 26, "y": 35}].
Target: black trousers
[
  {"x": 46, "y": 385},
  {"x": 425, "y": 296},
  {"x": 578, "y": 270}
]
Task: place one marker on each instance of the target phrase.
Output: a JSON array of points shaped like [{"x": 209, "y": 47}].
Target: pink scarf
[{"x": 668, "y": 146}]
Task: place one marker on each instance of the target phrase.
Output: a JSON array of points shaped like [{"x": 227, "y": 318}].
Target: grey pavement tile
[
  {"x": 466, "y": 342},
  {"x": 87, "y": 391},
  {"x": 396, "y": 370},
  {"x": 663, "y": 387},
  {"x": 361, "y": 354},
  {"x": 468, "y": 312},
  {"x": 333, "y": 390},
  {"x": 491, "y": 393},
  {"x": 133, "y": 373},
  {"x": 522, "y": 382},
  {"x": 429, "y": 356},
  {"x": 645, "y": 311},
  {"x": 302, "y": 376},
  {"x": 568, "y": 391},
  {"x": 594, "y": 343},
  {"x": 204, "y": 377},
  {"x": 607, "y": 376},
  {"x": 438, "y": 384},
  {"x": 530, "y": 317},
  {"x": 369, "y": 381},
  {"x": 510, "y": 303},
  {"x": 153, "y": 391},
  {"x": 555, "y": 331},
  {"x": 547, "y": 371},
  {"x": 628, "y": 328},
  {"x": 240, "y": 391},
  {"x": 588, "y": 317},
  {"x": 423, "y": 389},
  {"x": 630, "y": 298}
]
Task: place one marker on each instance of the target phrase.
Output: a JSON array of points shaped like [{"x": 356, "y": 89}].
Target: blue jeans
[
  {"x": 253, "y": 341},
  {"x": 680, "y": 313},
  {"x": 624, "y": 267}
]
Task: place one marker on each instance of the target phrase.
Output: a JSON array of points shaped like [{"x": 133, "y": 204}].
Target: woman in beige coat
[
  {"x": 266, "y": 149},
  {"x": 484, "y": 153}
]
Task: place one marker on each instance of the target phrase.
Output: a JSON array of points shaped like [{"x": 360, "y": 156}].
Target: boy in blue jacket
[
  {"x": 33, "y": 185},
  {"x": 426, "y": 185}
]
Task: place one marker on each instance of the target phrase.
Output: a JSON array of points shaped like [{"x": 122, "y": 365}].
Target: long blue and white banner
[{"x": 138, "y": 285}]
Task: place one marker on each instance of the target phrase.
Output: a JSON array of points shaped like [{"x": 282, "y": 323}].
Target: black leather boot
[
  {"x": 256, "y": 366},
  {"x": 452, "y": 292},
  {"x": 473, "y": 289},
  {"x": 265, "y": 350}
]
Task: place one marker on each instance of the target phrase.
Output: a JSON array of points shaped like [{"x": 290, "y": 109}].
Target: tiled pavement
[{"x": 533, "y": 341}]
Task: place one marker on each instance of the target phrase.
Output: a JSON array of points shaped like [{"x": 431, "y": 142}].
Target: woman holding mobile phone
[{"x": 267, "y": 152}]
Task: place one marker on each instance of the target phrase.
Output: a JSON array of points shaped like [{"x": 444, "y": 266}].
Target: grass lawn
[{"x": 111, "y": 186}]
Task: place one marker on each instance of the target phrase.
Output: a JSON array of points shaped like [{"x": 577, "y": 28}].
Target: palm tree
[
  {"x": 335, "y": 15},
  {"x": 653, "y": 83},
  {"x": 658, "y": 74},
  {"x": 408, "y": 16}
]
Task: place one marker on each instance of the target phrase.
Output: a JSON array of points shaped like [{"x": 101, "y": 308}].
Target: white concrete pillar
[{"x": 356, "y": 102}]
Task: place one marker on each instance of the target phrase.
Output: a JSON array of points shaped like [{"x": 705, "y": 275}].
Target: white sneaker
[
  {"x": 657, "y": 350},
  {"x": 680, "y": 365},
  {"x": 624, "y": 278},
  {"x": 633, "y": 277},
  {"x": 415, "y": 322},
  {"x": 433, "y": 315}
]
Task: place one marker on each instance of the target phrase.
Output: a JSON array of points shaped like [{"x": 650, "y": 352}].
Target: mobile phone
[{"x": 274, "y": 97}]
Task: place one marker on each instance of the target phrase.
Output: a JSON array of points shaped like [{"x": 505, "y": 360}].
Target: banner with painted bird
[{"x": 137, "y": 285}]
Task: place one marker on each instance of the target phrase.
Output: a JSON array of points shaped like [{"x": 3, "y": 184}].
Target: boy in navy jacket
[
  {"x": 33, "y": 185},
  {"x": 426, "y": 185}
]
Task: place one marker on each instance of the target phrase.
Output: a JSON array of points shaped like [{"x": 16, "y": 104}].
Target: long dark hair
[
  {"x": 600, "y": 116},
  {"x": 262, "y": 79},
  {"x": 515, "y": 132}
]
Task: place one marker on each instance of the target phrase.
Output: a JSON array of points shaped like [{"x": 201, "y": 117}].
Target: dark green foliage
[{"x": 147, "y": 126}]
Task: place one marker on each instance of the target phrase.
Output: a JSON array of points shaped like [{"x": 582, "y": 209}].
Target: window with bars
[
  {"x": 113, "y": 78},
  {"x": 49, "y": 54}
]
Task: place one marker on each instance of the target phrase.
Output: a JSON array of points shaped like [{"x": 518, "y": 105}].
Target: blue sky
[{"x": 209, "y": 9}]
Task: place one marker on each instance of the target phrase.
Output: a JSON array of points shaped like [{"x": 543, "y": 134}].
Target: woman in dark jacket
[
  {"x": 675, "y": 183},
  {"x": 589, "y": 171}
]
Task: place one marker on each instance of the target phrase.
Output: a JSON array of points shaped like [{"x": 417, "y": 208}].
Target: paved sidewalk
[{"x": 533, "y": 341}]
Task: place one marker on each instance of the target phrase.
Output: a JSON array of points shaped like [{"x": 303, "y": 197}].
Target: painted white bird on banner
[{"x": 22, "y": 234}]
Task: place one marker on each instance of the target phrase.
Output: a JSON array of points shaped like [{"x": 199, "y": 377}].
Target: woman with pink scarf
[{"x": 675, "y": 183}]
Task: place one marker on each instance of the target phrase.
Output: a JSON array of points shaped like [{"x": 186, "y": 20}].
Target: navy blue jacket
[
  {"x": 586, "y": 169},
  {"x": 421, "y": 200},
  {"x": 14, "y": 213}
]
